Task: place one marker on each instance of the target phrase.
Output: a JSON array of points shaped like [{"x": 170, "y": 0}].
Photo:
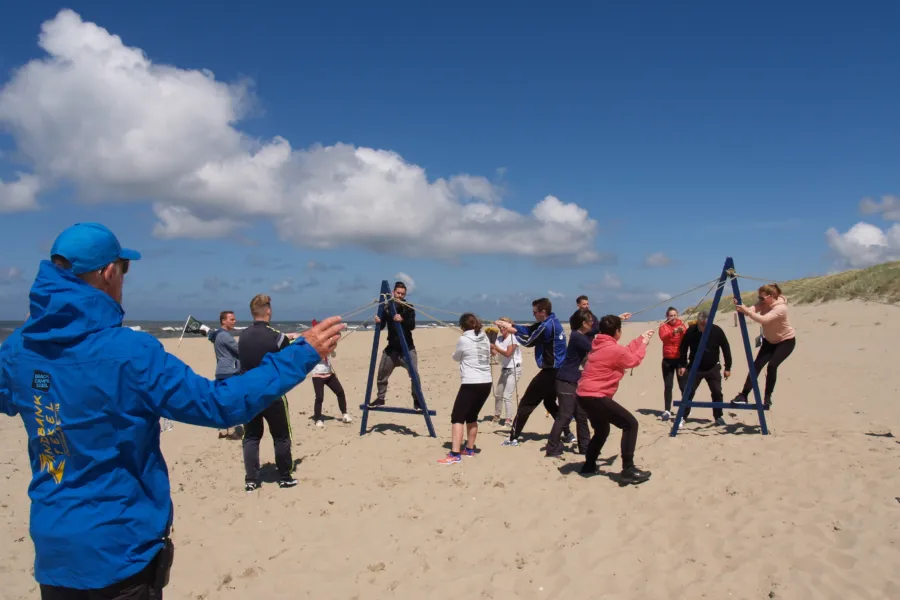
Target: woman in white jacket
[{"x": 473, "y": 353}]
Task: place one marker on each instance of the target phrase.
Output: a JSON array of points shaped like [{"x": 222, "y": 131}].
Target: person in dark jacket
[
  {"x": 90, "y": 394},
  {"x": 392, "y": 356},
  {"x": 709, "y": 369},
  {"x": 584, "y": 303},
  {"x": 226, "y": 349},
  {"x": 548, "y": 339},
  {"x": 255, "y": 343},
  {"x": 567, "y": 377}
]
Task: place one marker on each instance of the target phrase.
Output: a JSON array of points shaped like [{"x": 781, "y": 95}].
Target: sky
[{"x": 487, "y": 156}]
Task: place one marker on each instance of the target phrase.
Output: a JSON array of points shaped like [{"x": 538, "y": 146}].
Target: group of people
[{"x": 91, "y": 394}]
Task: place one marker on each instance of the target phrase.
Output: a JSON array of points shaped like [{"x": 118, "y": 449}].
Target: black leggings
[
  {"x": 774, "y": 355},
  {"x": 670, "y": 371},
  {"x": 335, "y": 386},
  {"x": 602, "y": 412},
  {"x": 469, "y": 400}
]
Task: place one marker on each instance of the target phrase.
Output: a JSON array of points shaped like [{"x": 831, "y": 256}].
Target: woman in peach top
[{"x": 778, "y": 337}]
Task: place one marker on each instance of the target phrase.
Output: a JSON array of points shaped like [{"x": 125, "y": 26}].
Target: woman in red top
[
  {"x": 670, "y": 334},
  {"x": 599, "y": 381}
]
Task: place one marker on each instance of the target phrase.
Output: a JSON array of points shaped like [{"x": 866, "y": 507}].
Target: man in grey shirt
[{"x": 226, "y": 347}]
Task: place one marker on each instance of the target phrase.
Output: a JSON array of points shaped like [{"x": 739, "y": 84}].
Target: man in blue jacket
[
  {"x": 547, "y": 337},
  {"x": 91, "y": 393}
]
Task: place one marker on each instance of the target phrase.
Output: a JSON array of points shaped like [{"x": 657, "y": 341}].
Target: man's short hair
[
  {"x": 610, "y": 324},
  {"x": 580, "y": 298},
  {"x": 258, "y": 304},
  {"x": 400, "y": 285},
  {"x": 542, "y": 305},
  {"x": 224, "y": 314}
]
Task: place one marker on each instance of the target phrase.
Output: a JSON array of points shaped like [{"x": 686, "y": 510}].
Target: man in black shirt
[
  {"x": 254, "y": 343},
  {"x": 392, "y": 356},
  {"x": 709, "y": 367},
  {"x": 584, "y": 303}
]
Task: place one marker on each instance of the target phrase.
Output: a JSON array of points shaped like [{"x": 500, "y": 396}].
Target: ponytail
[{"x": 469, "y": 322}]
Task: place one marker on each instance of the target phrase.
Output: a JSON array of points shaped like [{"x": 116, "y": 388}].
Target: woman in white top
[
  {"x": 473, "y": 353},
  {"x": 510, "y": 373},
  {"x": 323, "y": 374}
]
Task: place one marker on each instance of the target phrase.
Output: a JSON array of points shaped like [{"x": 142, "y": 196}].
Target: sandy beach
[{"x": 812, "y": 511}]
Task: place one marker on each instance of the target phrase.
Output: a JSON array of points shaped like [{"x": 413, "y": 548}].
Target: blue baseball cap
[{"x": 90, "y": 246}]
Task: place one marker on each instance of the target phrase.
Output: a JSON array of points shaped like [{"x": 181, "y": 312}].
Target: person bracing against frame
[
  {"x": 779, "y": 339},
  {"x": 599, "y": 382}
]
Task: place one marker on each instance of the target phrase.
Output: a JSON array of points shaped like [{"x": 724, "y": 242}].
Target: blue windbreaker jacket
[
  {"x": 91, "y": 394},
  {"x": 548, "y": 339}
]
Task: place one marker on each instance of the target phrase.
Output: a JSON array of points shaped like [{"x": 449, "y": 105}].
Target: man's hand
[
  {"x": 681, "y": 372},
  {"x": 727, "y": 374},
  {"x": 377, "y": 320},
  {"x": 398, "y": 318},
  {"x": 324, "y": 337}
]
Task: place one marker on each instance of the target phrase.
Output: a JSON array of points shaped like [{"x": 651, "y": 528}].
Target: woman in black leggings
[
  {"x": 323, "y": 376},
  {"x": 778, "y": 337}
]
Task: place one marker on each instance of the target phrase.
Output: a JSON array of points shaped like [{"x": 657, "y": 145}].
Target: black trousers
[
  {"x": 713, "y": 379},
  {"x": 605, "y": 411},
  {"x": 773, "y": 355},
  {"x": 139, "y": 586},
  {"x": 568, "y": 407},
  {"x": 335, "y": 386},
  {"x": 669, "y": 373},
  {"x": 541, "y": 389},
  {"x": 469, "y": 401},
  {"x": 279, "y": 420}
]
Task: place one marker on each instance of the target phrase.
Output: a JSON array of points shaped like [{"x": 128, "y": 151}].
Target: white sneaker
[
  {"x": 666, "y": 415},
  {"x": 320, "y": 424},
  {"x": 346, "y": 418},
  {"x": 681, "y": 425}
]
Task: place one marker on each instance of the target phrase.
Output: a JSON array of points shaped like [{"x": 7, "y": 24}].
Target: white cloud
[
  {"x": 888, "y": 207},
  {"x": 864, "y": 245},
  {"x": 409, "y": 281},
  {"x": 657, "y": 259},
  {"x": 285, "y": 286},
  {"x": 19, "y": 195},
  {"x": 553, "y": 294},
  {"x": 610, "y": 281},
  {"x": 129, "y": 129},
  {"x": 11, "y": 275}
]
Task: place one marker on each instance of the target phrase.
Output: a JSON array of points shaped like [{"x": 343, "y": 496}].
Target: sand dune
[{"x": 811, "y": 511}]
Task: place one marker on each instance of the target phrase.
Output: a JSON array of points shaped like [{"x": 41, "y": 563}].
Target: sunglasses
[{"x": 125, "y": 265}]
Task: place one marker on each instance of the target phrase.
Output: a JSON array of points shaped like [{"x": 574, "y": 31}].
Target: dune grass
[{"x": 880, "y": 283}]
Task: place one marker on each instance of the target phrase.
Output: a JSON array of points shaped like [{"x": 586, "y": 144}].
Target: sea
[{"x": 172, "y": 329}]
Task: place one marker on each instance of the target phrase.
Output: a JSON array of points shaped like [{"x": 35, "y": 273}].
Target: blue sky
[{"x": 694, "y": 131}]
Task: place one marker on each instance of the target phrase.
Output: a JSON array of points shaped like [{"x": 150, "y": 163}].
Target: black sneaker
[
  {"x": 739, "y": 399},
  {"x": 589, "y": 469},
  {"x": 568, "y": 438},
  {"x": 251, "y": 486},
  {"x": 767, "y": 400},
  {"x": 634, "y": 475},
  {"x": 287, "y": 483}
]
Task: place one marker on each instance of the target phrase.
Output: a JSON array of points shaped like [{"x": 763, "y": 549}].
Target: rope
[
  {"x": 669, "y": 300},
  {"x": 432, "y": 317},
  {"x": 356, "y": 311}
]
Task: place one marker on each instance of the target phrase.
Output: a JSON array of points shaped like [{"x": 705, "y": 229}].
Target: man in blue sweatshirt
[
  {"x": 90, "y": 394},
  {"x": 548, "y": 339}
]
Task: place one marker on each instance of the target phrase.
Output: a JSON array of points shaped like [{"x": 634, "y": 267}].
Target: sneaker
[
  {"x": 568, "y": 438},
  {"x": 509, "y": 442},
  {"x": 287, "y": 483},
  {"x": 507, "y": 423},
  {"x": 469, "y": 451},
  {"x": 320, "y": 423},
  {"x": 376, "y": 404},
  {"x": 720, "y": 422},
  {"x": 634, "y": 475},
  {"x": 346, "y": 418},
  {"x": 739, "y": 399},
  {"x": 666, "y": 415},
  {"x": 251, "y": 487},
  {"x": 767, "y": 400},
  {"x": 450, "y": 459},
  {"x": 587, "y": 469},
  {"x": 558, "y": 455},
  {"x": 681, "y": 425}
]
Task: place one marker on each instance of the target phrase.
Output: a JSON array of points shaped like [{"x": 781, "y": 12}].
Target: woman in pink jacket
[
  {"x": 605, "y": 367},
  {"x": 778, "y": 337}
]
